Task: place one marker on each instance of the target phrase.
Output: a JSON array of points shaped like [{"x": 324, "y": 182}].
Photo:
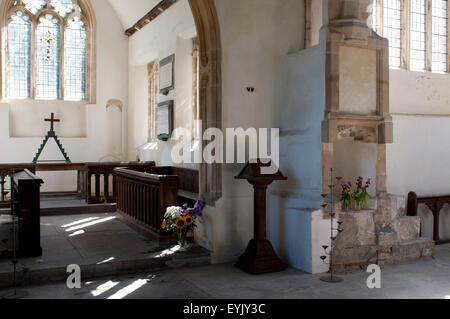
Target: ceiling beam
[{"x": 149, "y": 17}]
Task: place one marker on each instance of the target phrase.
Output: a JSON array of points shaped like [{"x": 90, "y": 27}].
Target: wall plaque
[
  {"x": 167, "y": 75},
  {"x": 164, "y": 123}
]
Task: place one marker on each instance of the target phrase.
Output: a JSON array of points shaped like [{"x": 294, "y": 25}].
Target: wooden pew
[
  {"x": 26, "y": 207},
  {"x": 105, "y": 172},
  {"x": 188, "y": 182},
  {"x": 142, "y": 199},
  {"x": 435, "y": 204}
]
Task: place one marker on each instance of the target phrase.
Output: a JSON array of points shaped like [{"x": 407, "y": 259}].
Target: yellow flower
[
  {"x": 187, "y": 213},
  {"x": 181, "y": 223},
  {"x": 164, "y": 224},
  {"x": 189, "y": 220}
]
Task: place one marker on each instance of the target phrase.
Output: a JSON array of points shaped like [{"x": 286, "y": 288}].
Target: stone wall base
[{"x": 381, "y": 236}]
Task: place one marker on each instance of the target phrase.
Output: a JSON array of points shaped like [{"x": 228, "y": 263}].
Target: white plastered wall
[
  {"x": 171, "y": 33},
  {"x": 256, "y": 36},
  {"x": 418, "y": 159},
  {"x": 83, "y": 130}
]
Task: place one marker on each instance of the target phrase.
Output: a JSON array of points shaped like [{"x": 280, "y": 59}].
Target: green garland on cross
[{"x": 51, "y": 134}]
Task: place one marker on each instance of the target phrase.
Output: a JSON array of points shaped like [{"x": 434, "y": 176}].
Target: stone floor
[
  {"x": 100, "y": 242},
  {"x": 422, "y": 279},
  {"x": 84, "y": 239}
]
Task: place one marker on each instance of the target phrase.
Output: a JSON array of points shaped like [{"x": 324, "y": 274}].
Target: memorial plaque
[
  {"x": 164, "y": 123},
  {"x": 167, "y": 75}
]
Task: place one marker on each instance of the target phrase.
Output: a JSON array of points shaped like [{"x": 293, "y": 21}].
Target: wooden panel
[{"x": 143, "y": 199}]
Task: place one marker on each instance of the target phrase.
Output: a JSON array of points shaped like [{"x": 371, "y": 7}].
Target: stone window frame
[
  {"x": 9, "y": 7},
  {"x": 153, "y": 91},
  {"x": 405, "y": 36}
]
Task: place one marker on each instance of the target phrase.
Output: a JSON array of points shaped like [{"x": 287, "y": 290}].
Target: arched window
[
  {"x": 418, "y": 33},
  {"x": 49, "y": 48}
]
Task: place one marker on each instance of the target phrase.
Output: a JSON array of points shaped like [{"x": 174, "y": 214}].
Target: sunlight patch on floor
[
  {"x": 104, "y": 288},
  {"x": 169, "y": 251},
  {"x": 80, "y": 222},
  {"x": 79, "y": 232},
  {"x": 106, "y": 261},
  {"x": 88, "y": 224},
  {"x": 130, "y": 289}
]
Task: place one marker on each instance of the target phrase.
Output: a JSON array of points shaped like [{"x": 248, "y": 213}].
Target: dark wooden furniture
[
  {"x": 142, "y": 200},
  {"x": 5, "y": 173},
  {"x": 105, "y": 172},
  {"x": 260, "y": 256},
  {"x": 435, "y": 204},
  {"x": 188, "y": 182},
  {"x": 26, "y": 207},
  {"x": 90, "y": 175}
]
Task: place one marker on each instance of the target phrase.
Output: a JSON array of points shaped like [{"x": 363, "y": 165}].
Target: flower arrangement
[
  {"x": 360, "y": 195},
  {"x": 181, "y": 220}
]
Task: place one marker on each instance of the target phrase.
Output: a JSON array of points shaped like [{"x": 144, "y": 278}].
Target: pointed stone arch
[{"x": 210, "y": 89}]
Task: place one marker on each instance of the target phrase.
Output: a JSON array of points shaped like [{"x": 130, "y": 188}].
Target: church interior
[{"x": 119, "y": 127}]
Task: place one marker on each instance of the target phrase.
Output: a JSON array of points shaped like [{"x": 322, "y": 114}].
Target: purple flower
[
  {"x": 197, "y": 211},
  {"x": 185, "y": 207}
]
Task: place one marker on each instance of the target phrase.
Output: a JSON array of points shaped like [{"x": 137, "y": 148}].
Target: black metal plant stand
[{"x": 329, "y": 251}]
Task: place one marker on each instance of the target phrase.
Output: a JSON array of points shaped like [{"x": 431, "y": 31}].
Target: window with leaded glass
[
  {"x": 417, "y": 30},
  {"x": 47, "y": 50}
]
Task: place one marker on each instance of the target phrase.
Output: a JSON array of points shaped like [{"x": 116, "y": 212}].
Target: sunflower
[
  {"x": 187, "y": 213},
  {"x": 164, "y": 224},
  {"x": 181, "y": 223},
  {"x": 189, "y": 220}
]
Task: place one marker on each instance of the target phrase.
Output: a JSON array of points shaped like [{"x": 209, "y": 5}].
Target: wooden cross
[{"x": 52, "y": 120}]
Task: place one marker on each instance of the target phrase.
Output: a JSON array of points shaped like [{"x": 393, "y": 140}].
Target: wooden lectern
[{"x": 260, "y": 257}]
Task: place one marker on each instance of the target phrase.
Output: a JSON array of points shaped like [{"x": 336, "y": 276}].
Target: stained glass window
[
  {"x": 47, "y": 63},
  {"x": 34, "y": 5},
  {"x": 19, "y": 31},
  {"x": 418, "y": 35},
  {"x": 38, "y": 64},
  {"x": 439, "y": 35},
  {"x": 392, "y": 30},
  {"x": 62, "y": 7},
  {"x": 75, "y": 60}
]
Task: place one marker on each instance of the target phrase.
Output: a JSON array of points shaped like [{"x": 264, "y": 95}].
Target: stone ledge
[
  {"x": 407, "y": 228},
  {"x": 192, "y": 256}
]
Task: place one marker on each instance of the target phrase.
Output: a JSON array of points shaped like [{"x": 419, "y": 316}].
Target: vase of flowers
[
  {"x": 358, "y": 196},
  {"x": 182, "y": 220}
]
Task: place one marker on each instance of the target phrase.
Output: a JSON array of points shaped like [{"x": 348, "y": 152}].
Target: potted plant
[
  {"x": 182, "y": 220},
  {"x": 359, "y": 196}
]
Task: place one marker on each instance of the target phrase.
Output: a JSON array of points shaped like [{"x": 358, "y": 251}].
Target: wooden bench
[
  {"x": 188, "y": 182},
  {"x": 142, "y": 200},
  {"x": 435, "y": 204},
  {"x": 105, "y": 172}
]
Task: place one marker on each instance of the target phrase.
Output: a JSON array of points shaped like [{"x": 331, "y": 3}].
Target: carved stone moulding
[{"x": 367, "y": 129}]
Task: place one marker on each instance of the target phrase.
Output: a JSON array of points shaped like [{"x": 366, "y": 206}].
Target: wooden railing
[
  {"x": 5, "y": 174},
  {"x": 142, "y": 200},
  {"x": 435, "y": 204},
  {"x": 27, "y": 209},
  {"x": 188, "y": 182},
  {"x": 100, "y": 177}
]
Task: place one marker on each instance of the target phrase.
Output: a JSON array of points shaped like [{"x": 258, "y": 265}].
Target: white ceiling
[{"x": 130, "y": 11}]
